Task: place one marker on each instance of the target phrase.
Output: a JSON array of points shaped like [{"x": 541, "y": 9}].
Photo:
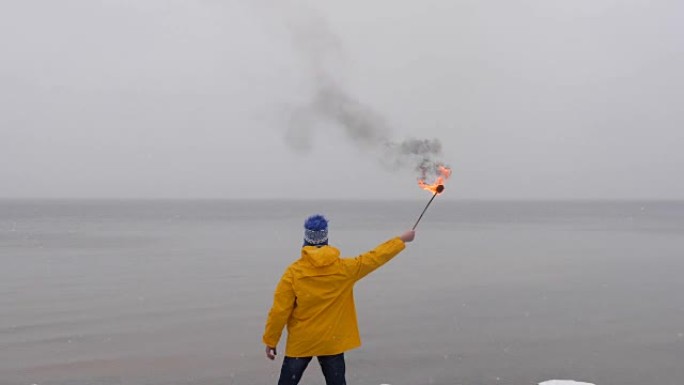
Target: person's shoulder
[
  {"x": 348, "y": 261},
  {"x": 294, "y": 267}
]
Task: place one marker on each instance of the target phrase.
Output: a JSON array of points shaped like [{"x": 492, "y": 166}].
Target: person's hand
[
  {"x": 408, "y": 236},
  {"x": 271, "y": 353}
]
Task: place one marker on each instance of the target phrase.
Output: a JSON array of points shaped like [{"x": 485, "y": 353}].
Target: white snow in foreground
[{"x": 556, "y": 382}]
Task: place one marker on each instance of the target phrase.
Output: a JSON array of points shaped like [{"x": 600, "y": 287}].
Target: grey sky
[{"x": 530, "y": 99}]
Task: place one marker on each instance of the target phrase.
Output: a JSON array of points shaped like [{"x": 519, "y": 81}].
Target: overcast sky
[{"x": 530, "y": 99}]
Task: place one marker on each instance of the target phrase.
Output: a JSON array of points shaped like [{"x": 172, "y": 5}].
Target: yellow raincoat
[{"x": 315, "y": 299}]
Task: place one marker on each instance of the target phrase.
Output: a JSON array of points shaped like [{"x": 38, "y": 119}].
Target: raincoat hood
[{"x": 320, "y": 256}]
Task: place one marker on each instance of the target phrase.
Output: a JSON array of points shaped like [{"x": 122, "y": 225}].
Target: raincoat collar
[{"x": 320, "y": 256}]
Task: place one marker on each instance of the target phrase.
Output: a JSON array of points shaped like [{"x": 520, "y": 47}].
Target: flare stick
[{"x": 440, "y": 188}]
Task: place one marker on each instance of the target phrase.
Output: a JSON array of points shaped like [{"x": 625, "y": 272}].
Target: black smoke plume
[{"x": 332, "y": 103}]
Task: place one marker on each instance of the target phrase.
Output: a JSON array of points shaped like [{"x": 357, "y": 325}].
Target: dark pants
[{"x": 332, "y": 367}]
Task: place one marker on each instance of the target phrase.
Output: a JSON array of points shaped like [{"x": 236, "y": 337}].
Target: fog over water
[{"x": 529, "y": 99}]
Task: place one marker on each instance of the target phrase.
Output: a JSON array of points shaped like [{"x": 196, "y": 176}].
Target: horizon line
[{"x": 250, "y": 199}]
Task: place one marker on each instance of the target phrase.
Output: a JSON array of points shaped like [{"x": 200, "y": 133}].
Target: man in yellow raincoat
[{"x": 315, "y": 299}]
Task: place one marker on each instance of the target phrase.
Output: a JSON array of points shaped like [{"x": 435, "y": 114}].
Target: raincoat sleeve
[
  {"x": 283, "y": 303},
  {"x": 365, "y": 263}
]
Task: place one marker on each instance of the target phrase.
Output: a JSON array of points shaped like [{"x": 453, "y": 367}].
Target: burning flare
[{"x": 438, "y": 186}]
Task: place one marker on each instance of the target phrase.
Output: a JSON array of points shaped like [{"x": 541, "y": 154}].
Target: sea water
[{"x": 177, "y": 292}]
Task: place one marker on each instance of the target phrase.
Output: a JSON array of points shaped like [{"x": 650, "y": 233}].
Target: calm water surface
[{"x": 176, "y": 292}]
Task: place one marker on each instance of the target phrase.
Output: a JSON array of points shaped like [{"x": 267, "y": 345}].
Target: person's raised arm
[{"x": 365, "y": 263}]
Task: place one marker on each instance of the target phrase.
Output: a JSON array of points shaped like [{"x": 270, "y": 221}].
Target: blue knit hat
[{"x": 316, "y": 231}]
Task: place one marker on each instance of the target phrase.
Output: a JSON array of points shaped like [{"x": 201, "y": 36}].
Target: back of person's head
[{"x": 316, "y": 231}]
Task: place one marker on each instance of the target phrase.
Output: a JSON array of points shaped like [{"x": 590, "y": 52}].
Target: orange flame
[{"x": 444, "y": 174}]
